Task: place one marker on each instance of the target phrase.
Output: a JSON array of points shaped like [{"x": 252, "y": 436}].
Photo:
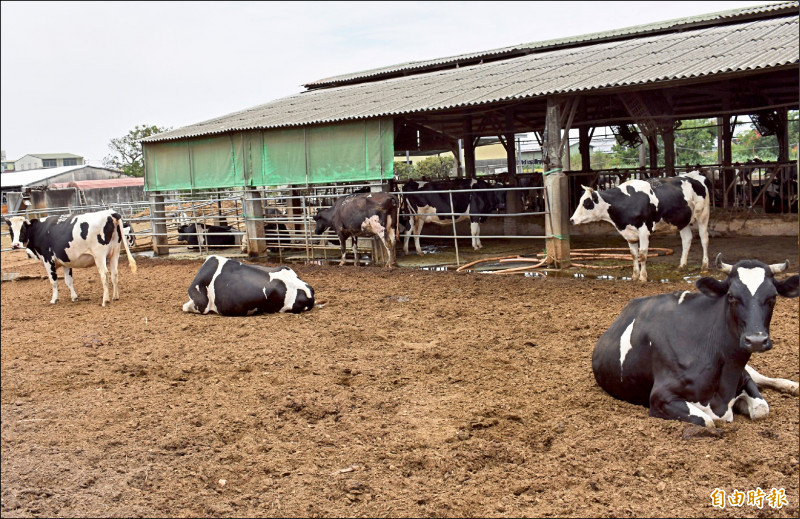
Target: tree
[
  {"x": 435, "y": 167},
  {"x": 127, "y": 151},
  {"x": 403, "y": 171}
]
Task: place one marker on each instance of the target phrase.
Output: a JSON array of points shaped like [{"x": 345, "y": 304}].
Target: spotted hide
[
  {"x": 362, "y": 214},
  {"x": 231, "y": 288},
  {"x": 74, "y": 241},
  {"x": 638, "y": 208},
  {"x": 684, "y": 355}
]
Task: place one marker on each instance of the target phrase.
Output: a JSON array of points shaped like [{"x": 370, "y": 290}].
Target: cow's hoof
[
  {"x": 681, "y": 267},
  {"x": 74, "y": 299}
]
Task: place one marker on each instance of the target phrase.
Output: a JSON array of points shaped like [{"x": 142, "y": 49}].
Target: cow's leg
[
  {"x": 390, "y": 248},
  {"x": 407, "y": 235},
  {"x": 343, "y": 245},
  {"x": 669, "y": 408},
  {"x": 113, "y": 267},
  {"x": 686, "y": 244},
  {"x": 778, "y": 384},
  {"x": 418, "y": 224},
  {"x": 750, "y": 402},
  {"x": 634, "y": 246},
  {"x": 475, "y": 230},
  {"x": 355, "y": 250},
  {"x": 702, "y": 230},
  {"x": 50, "y": 267},
  {"x": 69, "y": 281},
  {"x": 644, "y": 245},
  {"x": 100, "y": 261}
]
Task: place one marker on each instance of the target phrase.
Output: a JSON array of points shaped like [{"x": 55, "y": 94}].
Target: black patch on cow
[
  {"x": 588, "y": 204},
  {"x": 108, "y": 232},
  {"x": 634, "y": 209},
  {"x": 84, "y": 230},
  {"x": 53, "y": 274}
]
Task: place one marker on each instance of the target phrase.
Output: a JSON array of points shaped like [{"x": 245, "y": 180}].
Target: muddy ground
[{"x": 407, "y": 393}]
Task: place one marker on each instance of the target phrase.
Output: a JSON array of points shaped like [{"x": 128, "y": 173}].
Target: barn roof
[
  {"x": 32, "y": 176},
  {"x": 727, "y": 43}
]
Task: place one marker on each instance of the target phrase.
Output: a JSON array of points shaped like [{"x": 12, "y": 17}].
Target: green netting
[{"x": 345, "y": 152}]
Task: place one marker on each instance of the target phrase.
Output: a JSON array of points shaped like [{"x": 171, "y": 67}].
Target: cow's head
[
  {"x": 184, "y": 231},
  {"x": 750, "y": 289},
  {"x": 497, "y": 198},
  {"x": 591, "y": 208},
  {"x": 18, "y": 227},
  {"x": 323, "y": 219}
]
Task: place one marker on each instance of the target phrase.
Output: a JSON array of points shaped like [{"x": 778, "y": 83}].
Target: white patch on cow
[
  {"x": 190, "y": 307},
  {"x": 640, "y": 186},
  {"x": 625, "y": 346},
  {"x": 598, "y": 212},
  {"x": 212, "y": 307},
  {"x": 755, "y": 408},
  {"x": 706, "y": 410},
  {"x": 779, "y": 384},
  {"x": 699, "y": 412},
  {"x": 752, "y": 278},
  {"x": 293, "y": 284},
  {"x": 683, "y": 295},
  {"x": 373, "y": 225}
]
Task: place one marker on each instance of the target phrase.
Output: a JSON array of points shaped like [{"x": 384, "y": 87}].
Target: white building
[{"x": 47, "y": 160}]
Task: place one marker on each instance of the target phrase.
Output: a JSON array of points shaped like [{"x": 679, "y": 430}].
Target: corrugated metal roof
[
  {"x": 748, "y": 45},
  {"x": 102, "y": 183},
  {"x": 628, "y": 32},
  {"x": 53, "y": 156},
  {"x": 32, "y": 176}
]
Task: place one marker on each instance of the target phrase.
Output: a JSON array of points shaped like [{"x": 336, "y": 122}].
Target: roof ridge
[{"x": 693, "y": 22}]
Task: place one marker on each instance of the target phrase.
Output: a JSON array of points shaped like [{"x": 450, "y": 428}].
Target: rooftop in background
[
  {"x": 32, "y": 176},
  {"x": 54, "y": 155},
  {"x": 99, "y": 184}
]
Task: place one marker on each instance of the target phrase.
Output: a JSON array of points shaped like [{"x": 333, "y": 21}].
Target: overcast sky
[{"x": 77, "y": 74}]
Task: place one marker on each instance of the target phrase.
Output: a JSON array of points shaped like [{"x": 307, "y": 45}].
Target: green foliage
[
  {"x": 127, "y": 151},
  {"x": 695, "y": 142},
  {"x": 403, "y": 171},
  {"x": 435, "y": 167},
  {"x": 750, "y": 144}
]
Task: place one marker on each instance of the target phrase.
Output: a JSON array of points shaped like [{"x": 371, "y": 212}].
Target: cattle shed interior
[{"x": 347, "y": 129}]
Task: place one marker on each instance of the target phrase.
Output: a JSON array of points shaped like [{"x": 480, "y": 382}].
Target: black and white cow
[
  {"x": 362, "y": 214},
  {"x": 127, "y": 231},
  {"x": 202, "y": 235},
  {"x": 638, "y": 207},
  {"x": 426, "y": 207},
  {"x": 74, "y": 241},
  {"x": 684, "y": 354},
  {"x": 231, "y": 288}
]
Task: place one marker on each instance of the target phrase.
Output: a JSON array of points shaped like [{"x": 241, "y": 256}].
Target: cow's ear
[
  {"x": 787, "y": 287},
  {"x": 712, "y": 287},
  {"x": 587, "y": 189}
]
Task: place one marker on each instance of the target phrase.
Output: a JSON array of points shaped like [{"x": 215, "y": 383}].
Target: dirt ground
[{"x": 405, "y": 393}]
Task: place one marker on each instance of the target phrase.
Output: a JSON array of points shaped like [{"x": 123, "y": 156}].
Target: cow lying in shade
[
  {"x": 362, "y": 214},
  {"x": 684, "y": 355},
  {"x": 637, "y": 208},
  {"x": 231, "y": 288},
  {"x": 203, "y": 235},
  {"x": 74, "y": 241}
]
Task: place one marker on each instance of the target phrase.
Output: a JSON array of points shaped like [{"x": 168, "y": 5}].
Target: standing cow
[
  {"x": 74, "y": 241},
  {"x": 231, "y": 288},
  {"x": 362, "y": 214},
  {"x": 684, "y": 355},
  {"x": 423, "y": 206},
  {"x": 637, "y": 208}
]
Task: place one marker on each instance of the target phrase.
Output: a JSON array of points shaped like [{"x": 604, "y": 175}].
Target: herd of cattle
[{"x": 696, "y": 372}]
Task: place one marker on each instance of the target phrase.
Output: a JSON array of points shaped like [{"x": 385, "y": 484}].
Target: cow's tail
[
  {"x": 397, "y": 217},
  {"x": 131, "y": 261}
]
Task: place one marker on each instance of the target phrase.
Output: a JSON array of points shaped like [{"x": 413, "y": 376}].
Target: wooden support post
[
  {"x": 158, "y": 225},
  {"x": 583, "y": 147},
  {"x": 652, "y": 144},
  {"x": 469, "y": 148},
  {"x": 783, "y": 135},
  {"x": 668, "y": 135},
  {"x": 513, "y": 197},
  {"x": 556, "y": 189},
  {"x": 253, "y": 222},
  {"x": 642, "y": 151},
  {"x": 727, "y": 158}
]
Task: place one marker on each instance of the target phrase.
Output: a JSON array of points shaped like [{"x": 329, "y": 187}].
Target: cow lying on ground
[
  {"x": 74, "y": 241},
  {"x": 202, "y": 235},
  {"x": 684, "y": 355},
  {"x": 637, "y": 208},
  {"x": 426, "y": 207},
  {"x": 228, "y": 287},
  {"x": 362, "y": 214}
]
